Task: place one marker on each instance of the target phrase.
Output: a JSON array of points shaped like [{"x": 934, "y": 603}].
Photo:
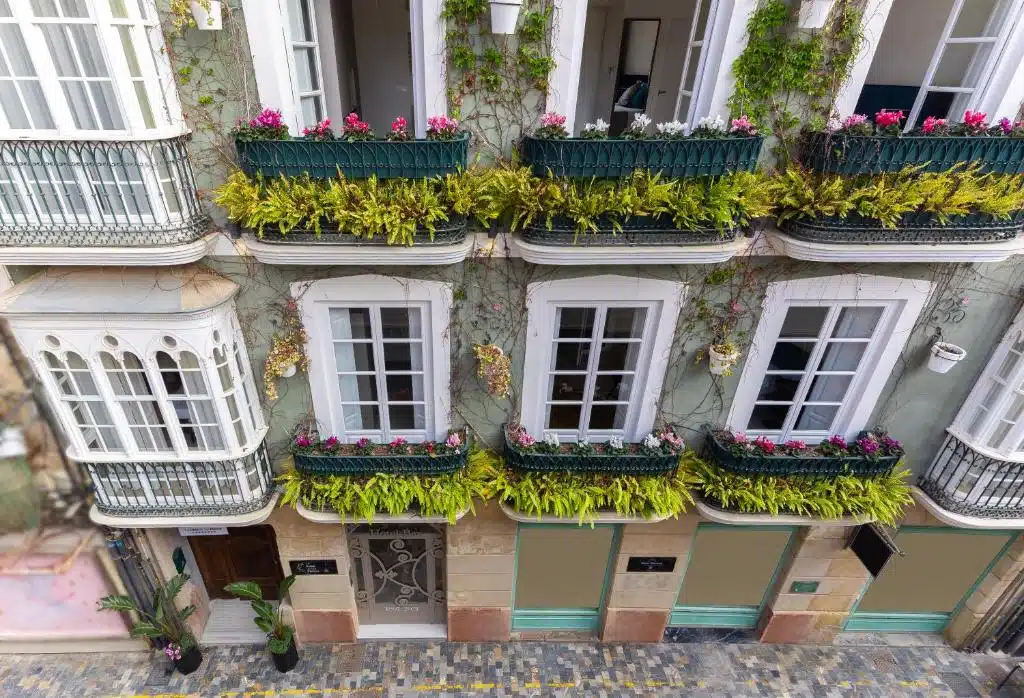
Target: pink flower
[
  {"x": 399, "y": 124},
  {"x": 837, "y": 441},
  {"x": 331, "y": 442},
  {"x": 891, "y": 445},
  {"x": 735, "y": 307},
  {"x": 303, "y": 441},
  {"x": 766, "y": 445},
  {"x": 887, "y": 118},
  {"x": 524, "y": 439},
  {"x": 931, "y": 123},
  {"x": 363, "y": 443},
  {"x": 1006, "y": 125},
  {"x": 739, "y": 437},
  {"x": 868, "y": 445},
  {"x": 453, "y": 440},
  {"x": 975, "y": 119},
  {"x": 670, "y": 437},
  {"x": 853, "y": 120},
  {"x": 743, "y": 125},
  {"x": 173, "y": 652},
  {"x": 268, "y": 118},
  {"x": 399, "y": 441},
  {"x": 442, "y": 126},
  {"x": 795, "y": 445},
  {"x": 355, "y": 125},
  {"x": 552, "y": 119}
]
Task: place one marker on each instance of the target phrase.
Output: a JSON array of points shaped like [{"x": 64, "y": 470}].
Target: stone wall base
[
  {"x": 325, "y": 626},
  {"x": 479, "y": 624},
  {"x": 634, "y": 625},
  {"x": 800, "y": 627}
]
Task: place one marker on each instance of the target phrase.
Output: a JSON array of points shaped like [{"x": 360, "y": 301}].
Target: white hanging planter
[
  {"x": 207, "y": 21},
  {"x": 505, "y": 16},
  {"x": 12, "y": 443},
  {"x": 945, "y": 356},
  {"x": 813, "y": 13},
  {"x": 288, "y": 371},
  {"x": 721, "y": 362}
]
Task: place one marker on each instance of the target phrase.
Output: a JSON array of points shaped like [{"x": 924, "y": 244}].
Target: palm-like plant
[
  {"x": 166, "y": 621},
  {"x": 279, "y": 633}
]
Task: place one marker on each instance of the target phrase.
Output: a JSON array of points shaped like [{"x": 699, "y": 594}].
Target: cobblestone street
[{"x": 523, "y": 669}]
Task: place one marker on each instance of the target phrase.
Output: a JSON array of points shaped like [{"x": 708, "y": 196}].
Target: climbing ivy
[{"x": 783, "y": 75}]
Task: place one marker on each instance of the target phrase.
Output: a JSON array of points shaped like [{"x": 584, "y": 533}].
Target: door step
[
  {"x": 402, "y": 631},
  {"x": 231, "y": 623}
]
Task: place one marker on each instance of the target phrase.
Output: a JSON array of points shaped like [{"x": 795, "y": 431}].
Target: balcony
[
  {"x": 971, "y": 484},
  {"x": 99, "y": 202},
  {"x": 236, "y": 491}
]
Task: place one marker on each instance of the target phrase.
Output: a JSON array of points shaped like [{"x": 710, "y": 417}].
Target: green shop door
[
  {"x": 922, "y": 590},
  {"x": 729, "y": 574},
  {"x": 562, "y": 575}
]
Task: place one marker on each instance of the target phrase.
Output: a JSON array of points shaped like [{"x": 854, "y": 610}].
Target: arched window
[
  {"x": 77, "y": 389},
  {"x": 228, "y": 387},
  {"x": 139, "y": 405},
  {"x": 191, "y": 400}
]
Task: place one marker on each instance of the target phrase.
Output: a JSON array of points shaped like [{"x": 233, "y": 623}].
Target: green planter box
[
  {"x": 370, "y": 465},
  {"x": 843, "y": 154},
  {"x": 617, "y": 157},
  {"x": 635, "y": 232},
  {"x": 913, "y": 229},
  {"x": 816, "y": 466},
  {"x": 323, "y": 159},
  {"x": 451, "y": 233},
  {"x": 611, "y": 464}
]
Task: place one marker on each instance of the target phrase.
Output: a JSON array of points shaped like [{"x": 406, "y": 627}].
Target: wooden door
[{"x": 244, "y": 555}]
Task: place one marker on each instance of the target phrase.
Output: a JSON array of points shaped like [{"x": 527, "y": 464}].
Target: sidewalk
[{"x": 523, "y": 669}]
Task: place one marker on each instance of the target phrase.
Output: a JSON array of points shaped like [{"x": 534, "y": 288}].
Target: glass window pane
[
  {"x": 305, "y": 70},
  {"x": 358, "y": 388},
  {"x": 74, "y": 8},
  {"x": 361, "y": 417},
  {"x": 59, "y": 46},
  {"x": 564, "y": 416},
  {"x": 128, "y": 46},
  {"x": 300, "y": 21},
  {"x": 405, "y": 388},
  {"x": 612, "y": 387},
  {"x": 857, "y": 323},
  {"x": 44, "y": 8},
  {"x": 816, "y": 418},
  {"x": 118, "y": 9},
  {"x": 625, "y": 323},
  {"x": 400, "y": 323},
  {"x": 32, "y": 92},
  {"x": 973, "y": 17},
  {"x": 608, "y": 416},
  {"x": 10, "y": 101},
  {"x": 842, "y": 356},
  {"x": 406, "y": 417},
  {"x": 571, "y": 356},
  {"x": 790, "y": 356},
  {"x": 828, "y": 388},
  {"x": 567, "y": 387},
  {"x": 87, "y": 42},
  {"x": 1010, "y": 361},
  {"x": 353, "y": 356},
  {"x": 399, "y": 356},
  {"x": 767, "y": 417},
  {"x": 618, "y": 356},
  {"x": 779, "y": 388},
  {"x": 952, "y": 70},
  {"x": 312, "y": 112},
  {"x": 106, "y": 105},
  {"x": 350, "y": 323},
  {"x": 1001, "y": 430},
  {"x": 803, "y": 321},
  {"x": 575, "y": 322},
  {"x": 5, "y": 9},
  {"x": 16, "y": 50}
]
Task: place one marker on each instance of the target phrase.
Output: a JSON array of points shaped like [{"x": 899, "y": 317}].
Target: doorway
[
  {"x": 398, "y": 573},
  {"x": 729, "y": 573}
]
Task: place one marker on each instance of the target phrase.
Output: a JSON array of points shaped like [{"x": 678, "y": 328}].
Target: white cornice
[
  {"x": 578, "y": 255},
  {"x": 601, "y": 517},
  {"x": 731, "y": 518},
  {"x": 960, "y": 520},
  {"x": 168, "y": 255},
  {"x": 251, "y": 519},
  {"x": 330, "y": 517},
  {"x": 357, "y": 255},
  {"x": 826, "y": 252}
]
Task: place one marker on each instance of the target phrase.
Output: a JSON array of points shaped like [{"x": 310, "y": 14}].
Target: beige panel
[
  {"x": 731, "y": 566},
  {"x": 936, "y": 572},
  {"x": 562, "y": 567}
]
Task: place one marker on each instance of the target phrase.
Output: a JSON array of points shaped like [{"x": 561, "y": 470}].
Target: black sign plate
[
  {"x": 313, "y": 566},
  {"x": 651, "y": 564},
  {"x": 873, "y": 548}
]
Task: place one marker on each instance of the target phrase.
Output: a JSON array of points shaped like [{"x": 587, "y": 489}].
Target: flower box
[
  {"x": 853, "y": 154},
  {"x": 633, "y": 462},
  {"x": 360, "y": 159},
  {"x": 913, "y": 229},
  {"x": 618, "y": 157},
  {"x": 635, "y": 232},
  {"x": 813, "y": 464},
  {"x": 351, "y": 459},
  {"x": 451, "y": 233}
]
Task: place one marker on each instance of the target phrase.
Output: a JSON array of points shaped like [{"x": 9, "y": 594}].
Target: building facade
[{"x": 153, "y": 320}]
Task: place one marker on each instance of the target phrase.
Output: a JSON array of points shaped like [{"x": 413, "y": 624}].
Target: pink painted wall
[{"x": 57, "y": 606}]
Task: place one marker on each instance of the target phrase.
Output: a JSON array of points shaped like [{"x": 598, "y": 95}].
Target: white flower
[
  {"x": 601, "y": 126},
  {"x": 651, "y": 441},
  {"x": 673, "y": 128},
  {"x": 551, "y": 439},
  {"x": 834, "y": 124},
  {"x": 640, "y": 122},
  {"x": 715, "y": 124},
  {"x": 615, "y": 442}
]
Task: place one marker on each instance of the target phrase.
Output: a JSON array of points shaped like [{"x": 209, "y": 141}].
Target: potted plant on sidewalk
[
  {"x": 280, "y": 635},
  {"x": 166, "y": 622}
]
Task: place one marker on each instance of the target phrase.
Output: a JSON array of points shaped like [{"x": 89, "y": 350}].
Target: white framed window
[
  {"x": 380, "y": 362},
  {"x": 73, "y": 68},
  {"x": 75, "y": 387},
  {"x": 822, "y": 352},
  {"x": 139, "y": 405},
  {"x": 305, "y": 57},
  {"x": 596, "y": 353}
]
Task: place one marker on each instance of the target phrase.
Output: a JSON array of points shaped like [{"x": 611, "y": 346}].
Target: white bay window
[{"x": 821, "y": 355}]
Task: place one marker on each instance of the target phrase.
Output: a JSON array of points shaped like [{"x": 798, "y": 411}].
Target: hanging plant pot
[
  {"x": 207, "y": 20},
  {"x": 813, "y": 13},
  {"x": 505, "y": 16},
  {"x": 189, "y": 661},
  {"x": 288, "y": 371},
  {"x": 945, "y": 356},
  {"x": 286, "y": 661},
  {"x": 722, "y": 358}
]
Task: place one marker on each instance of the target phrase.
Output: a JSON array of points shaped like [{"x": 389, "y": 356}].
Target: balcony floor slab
[
  {"x": 962, "y": 521},
  {"x": 880, "y": 252},
  {"x": 735, "y": 518},
  {"x": 166, "y": 255},
  {"x": 229, "y": 520},
  {"x": 357, "y": 254}
]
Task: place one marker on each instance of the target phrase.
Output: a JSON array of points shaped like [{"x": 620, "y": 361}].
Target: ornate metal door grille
[{"x": 398, "y": 573}]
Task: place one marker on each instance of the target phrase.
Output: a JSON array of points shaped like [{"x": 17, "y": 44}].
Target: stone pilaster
[
  {"x": 639, "y": 603},
  {"x": 162, "y": 542},
  {"x": 481, "y": 551}
]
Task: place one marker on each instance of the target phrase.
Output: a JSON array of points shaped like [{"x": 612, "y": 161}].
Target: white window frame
[
  {"x": 433, "y": 297},
  {"x": 153, "y": 63},
  {"x": 906, "y": 298},
  {"x": 266, "y": 24},
  {"x": 662, "y": 299},
  {"x": 318, "y": 95}
]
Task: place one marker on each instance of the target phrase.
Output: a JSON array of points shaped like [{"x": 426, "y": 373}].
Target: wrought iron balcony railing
[
  {"x": 965, "y": 481},
  {"x": 235, "y": 486},
  {"x": 98, "y": 194}
]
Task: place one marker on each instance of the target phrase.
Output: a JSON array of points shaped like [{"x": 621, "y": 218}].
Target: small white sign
[{"x": 203, "y": 530}]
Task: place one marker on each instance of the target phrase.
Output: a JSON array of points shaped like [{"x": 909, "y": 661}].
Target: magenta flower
[
  {"x": 524, "y": 439},
  {"x": 891, "y": 445},
  {"x": 399, "y": 441},
  {"x": 931, "y": 124},
  {"x": 739, "y": 437},
  {"x": 331, "y": 443},
  {"x": 795, "y": 445},
  {"x": 765, "y": 445},
  {"x": 868, "y": 446},
  {"x": 887, "y": 118},
  {"x": 399, "y": 130},
  {"x": 975, "y": 119},
  {"x": 453, "y": 440},
  {"x": 442, "y": 128},
  {"x": 320, "y": 132},
  {"x": 268, "y": 118},
  {"x": 399, "y": 124},
  {"x": 853, "y": 120},
  {"x": 303, "y": 441},
  {"x": 742, "y": 126},
  {"x": 1006, "y": 126},
  {"x": 837, "y": 441},
  {"x": 363, "y": 443},
  {"x": 173, "y": 652}
]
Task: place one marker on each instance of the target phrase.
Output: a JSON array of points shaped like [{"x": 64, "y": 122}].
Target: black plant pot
[
  {"x": 286, "y": 661},
  {"x": 189, "y": 661}
]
